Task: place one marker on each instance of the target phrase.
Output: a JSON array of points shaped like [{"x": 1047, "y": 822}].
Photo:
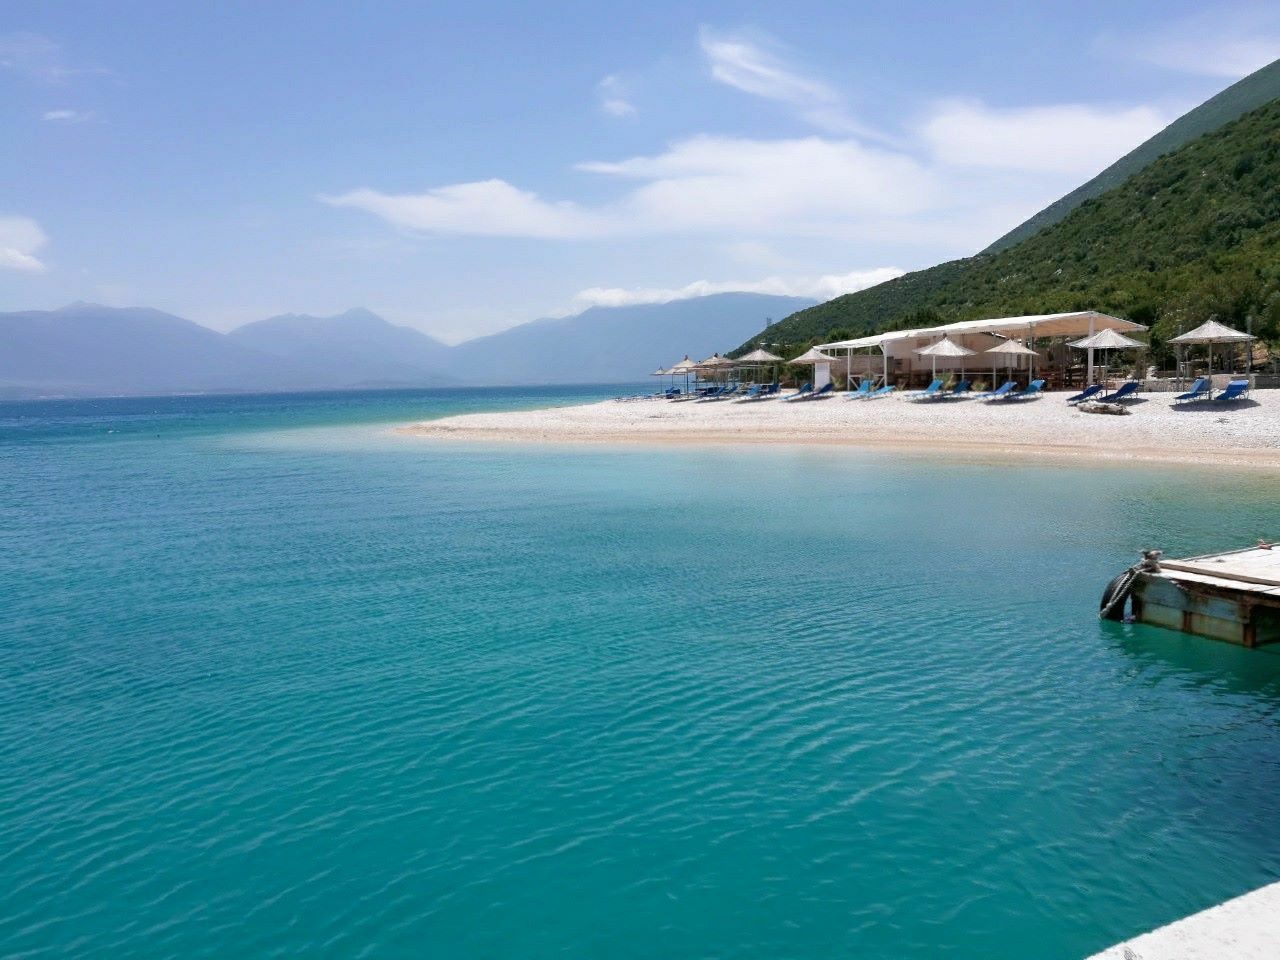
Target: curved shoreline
[{"x": 1241, "y": 436}]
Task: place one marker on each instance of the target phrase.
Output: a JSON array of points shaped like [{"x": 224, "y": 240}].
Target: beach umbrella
[
  {"x": 714, "y": 364},
  {"x": 1009, "y": 349},
  {"x": 813, "y": 355},
  {"x": 686, "y": 367},
  {"x": 946, "y": 347},
  {"x": 759, "y": 358},
  {"x": 1212, "y": 332},
  {"x": 660, "y": 372},
  {"x": 1107, "y": 340}
]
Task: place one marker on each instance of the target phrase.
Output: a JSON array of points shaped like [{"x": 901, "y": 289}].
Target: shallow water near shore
[{"x": 277, "y": 682}]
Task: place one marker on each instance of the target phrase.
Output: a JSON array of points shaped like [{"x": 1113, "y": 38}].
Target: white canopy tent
[{"x": 899, "y": 344}]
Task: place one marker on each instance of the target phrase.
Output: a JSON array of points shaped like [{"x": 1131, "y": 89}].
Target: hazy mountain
[
  {"x": 1193, "y": 235},
  {"x": 614, "y": 344},
  {"x": 1255, "y": 90},
  {"x": 351, "y": 349},
  {"x": 85, "y": 348}
]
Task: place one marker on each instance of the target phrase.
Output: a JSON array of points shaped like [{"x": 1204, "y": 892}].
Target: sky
[{"x": 464, "y": 167}]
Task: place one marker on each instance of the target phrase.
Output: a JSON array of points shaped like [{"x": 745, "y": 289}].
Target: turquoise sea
[{"x": 276, "y": 682}]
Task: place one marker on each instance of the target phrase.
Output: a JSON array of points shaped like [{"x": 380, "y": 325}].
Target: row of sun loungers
[{"x": 1201, "y": 390}]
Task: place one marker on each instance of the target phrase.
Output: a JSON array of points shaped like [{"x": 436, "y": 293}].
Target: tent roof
[
  {"x": 1213, "y": 332},
  {"x": 660, "y": 373},
  {"x": 813, "y": 355},
  {"x": 946, "y": 347},
  {"x": 1038, "y": 325},
  {"x": 1107, "y": 340},
  {"x": 760, "y": 356},
  {"x": 682, "y": 365}
]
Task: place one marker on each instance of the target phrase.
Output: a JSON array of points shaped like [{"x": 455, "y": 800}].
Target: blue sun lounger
[
  {"x": 1200, "y": 390},
  {"x": 1033, "y": 390},
  {"x": 826, "y": 390},
  {"x": 1127, "y": 389},
  {"x": 926, "y": 393},
  {"x": 1236, "y": 390},
  {"x": 960, "y": 390},
  {"x": 1003, "y": 390},
  {"x": 863, "y": 391},
  {"x": 882, "y": 392},
  {"x": 800, "y": 393},
  {"x": 1090, "y": 391}
]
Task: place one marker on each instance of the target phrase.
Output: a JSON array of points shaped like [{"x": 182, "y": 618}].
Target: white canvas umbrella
[
  {"x": 946, "y": 347},
  {"x": 759, "y": 358},
  {"x": 686, "y": 367},
  {"x": 813, "y": 355},
  {"x": 1107, "y": 340},
  {"x": 1009, "y": 349},
  {"x": 1212, "y": 332},
  {"x": 714, "y": 364}
]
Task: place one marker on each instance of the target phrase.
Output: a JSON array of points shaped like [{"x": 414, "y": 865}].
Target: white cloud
[
  {"x": 67, "y": 116},
  {"x": 744, "y": 189},
  {"x": 819, "y": 288},
  {"x": 36, "y": 57},
  {"x": 20, "y": 240},
  {"x": 484, "y": 208},
  {"x": 1072, "y": 139},
  {"x": 612, "y": 94},
  {"x": 810, "y": 186},
  {"x": 1226, "y": 42},
  {"x": 745, "y": 64}
]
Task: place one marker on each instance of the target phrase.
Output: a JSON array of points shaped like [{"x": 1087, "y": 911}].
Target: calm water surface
[{"x": 274, "y": 681}]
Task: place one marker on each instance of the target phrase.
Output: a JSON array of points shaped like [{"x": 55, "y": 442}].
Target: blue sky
[{"x": 465, "y": 167}]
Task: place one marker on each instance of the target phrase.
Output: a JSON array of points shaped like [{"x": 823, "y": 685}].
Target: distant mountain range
[
  {"x": 86, "y": 349},
  {"x": 1191, "y": 230}
]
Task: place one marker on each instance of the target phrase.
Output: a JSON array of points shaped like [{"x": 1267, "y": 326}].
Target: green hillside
[
  {"x": 1254, "y": 91},
  {"x": 1195, "y": 234}
]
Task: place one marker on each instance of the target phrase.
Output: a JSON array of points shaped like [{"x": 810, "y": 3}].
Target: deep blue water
[{"x": 275, "y": 681}]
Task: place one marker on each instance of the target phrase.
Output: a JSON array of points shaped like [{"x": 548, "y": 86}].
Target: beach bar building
[{"x": 895, "y": 355}]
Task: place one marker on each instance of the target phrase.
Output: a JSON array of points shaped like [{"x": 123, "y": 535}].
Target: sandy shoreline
[{"x": 1241, "y": 435}]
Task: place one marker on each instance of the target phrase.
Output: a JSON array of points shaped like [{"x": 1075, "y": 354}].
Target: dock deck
[
  {"x": 1233, "y": 596},
  {"x": 1245, "y": 928}
]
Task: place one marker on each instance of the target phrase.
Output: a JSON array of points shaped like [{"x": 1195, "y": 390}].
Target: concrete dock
[
  {"x": 1233, "y": 596},
  {"x": 1246, "y": 928}
]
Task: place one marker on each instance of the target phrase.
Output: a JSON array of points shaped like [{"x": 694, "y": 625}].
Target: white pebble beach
[{"x": 1244, "y": 434}]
